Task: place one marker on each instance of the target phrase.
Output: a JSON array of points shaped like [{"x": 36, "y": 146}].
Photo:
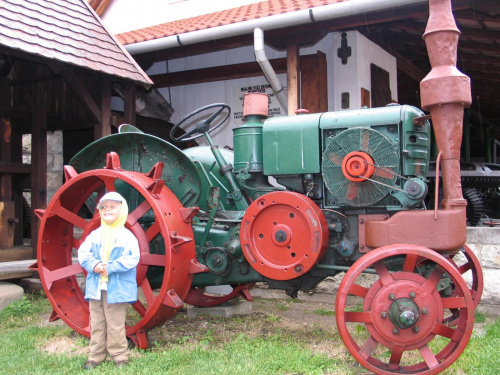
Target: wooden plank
[
  {"x": 19, "y": 168},
  {"x": 16, "y": 253},
  {"x": 7, "y": 224},
  {"x": 16, "y": 270},
  {"x": 293, "y": 78},
  {"x": 313, "y": 77}
]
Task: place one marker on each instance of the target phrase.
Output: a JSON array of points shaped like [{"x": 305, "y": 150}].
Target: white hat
[{"x": 111, "y": 196}]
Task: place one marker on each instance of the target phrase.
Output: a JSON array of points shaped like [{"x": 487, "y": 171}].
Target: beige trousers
[{"x": 107, "y": 330}]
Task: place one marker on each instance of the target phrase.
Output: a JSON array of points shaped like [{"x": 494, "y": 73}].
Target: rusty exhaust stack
[{"x": 445, "y": 92}]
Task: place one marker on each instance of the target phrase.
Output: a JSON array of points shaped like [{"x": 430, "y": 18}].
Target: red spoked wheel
[
  {"x": 473, "y": 271},
  {"x": 283, "y": 235},
  {"x": 199, "y": 297},
  {"x": 157, "y": 219},
  {"x": 398, "y": 323}
]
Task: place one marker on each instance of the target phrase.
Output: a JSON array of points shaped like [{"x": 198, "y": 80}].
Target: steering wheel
[{"x": 202, "y": 126}]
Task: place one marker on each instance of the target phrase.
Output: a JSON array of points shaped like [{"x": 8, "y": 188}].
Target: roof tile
[
  {"x": 221, "y": 18},
  {"x": 66, "y": 30}
]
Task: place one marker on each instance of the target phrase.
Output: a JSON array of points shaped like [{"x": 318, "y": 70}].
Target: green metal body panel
[
  {"x": 248, "y": 146},
  {"x": 291, "y": 145},
  {"x": 207, "y": 171},
  {"x": 140, "y": 152},
  {"x": 411, "y": 140},
  {"x": 238, "y": 270}
]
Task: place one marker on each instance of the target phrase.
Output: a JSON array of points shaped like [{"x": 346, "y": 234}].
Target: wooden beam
[
  {"x": 5, "y": 141},
  {"x": 214, "y": 74},
  {"x": 293, "y": 78},
  {"x": 81, "y": 92},
  {"x": 129, "y": 115},
  {"x": 38, "y": 168},
  {"x": 102, "y": 128},
  {"x": 15, "y": 168},
  {"x": 313, "y": 83}
]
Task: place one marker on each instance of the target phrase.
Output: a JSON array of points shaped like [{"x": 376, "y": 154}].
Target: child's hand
[{"x": 101, "y": 269}]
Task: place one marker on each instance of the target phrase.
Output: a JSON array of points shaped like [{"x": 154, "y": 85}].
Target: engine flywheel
[{"x": 283, "y": 235}]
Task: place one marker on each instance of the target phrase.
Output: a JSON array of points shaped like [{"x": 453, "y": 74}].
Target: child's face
[{"x": 109, "y": 211}]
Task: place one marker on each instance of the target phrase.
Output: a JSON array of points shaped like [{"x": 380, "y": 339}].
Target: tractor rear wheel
[
  {"x": 397, "y": 323},
  {"x": 157, "y": 219}
]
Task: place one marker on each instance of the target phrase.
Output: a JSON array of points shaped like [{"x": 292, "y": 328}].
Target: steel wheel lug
[
  {"x": 383, "y": 314},
  {"x": 392, "y": 296},
  {"x": 424, "y": 311},
  {"x": 416, "y": 329},
  {"x": 412, "y": 295},
  {"x": 395, "y": 330}
]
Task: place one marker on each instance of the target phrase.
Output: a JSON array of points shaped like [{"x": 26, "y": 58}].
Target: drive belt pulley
[{"x": 283, "y": 235}]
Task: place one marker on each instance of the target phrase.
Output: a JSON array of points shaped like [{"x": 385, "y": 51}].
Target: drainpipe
[
  {"x": 301, "y": 17},
  {"x": 265, "y": 65}
]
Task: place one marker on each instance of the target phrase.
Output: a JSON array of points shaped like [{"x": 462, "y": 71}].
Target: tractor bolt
[
  {"x": 392, "y": 296},
  {"x": 383, "y": 315},
  {"x": 361, "y": 221},
  {"x": 416, "y": 329},
  {"x": 395, "y": 330},
  {"x": 424, "y": 311},
  {"x": 412, "y": 295}
]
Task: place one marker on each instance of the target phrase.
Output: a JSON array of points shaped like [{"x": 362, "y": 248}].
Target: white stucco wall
[{"x": 341, "y": 78}]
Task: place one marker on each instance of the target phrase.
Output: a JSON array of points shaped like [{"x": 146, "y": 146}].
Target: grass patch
[
  {"x": 324, "y": 312},
  {"x": 260, "y": 343}
]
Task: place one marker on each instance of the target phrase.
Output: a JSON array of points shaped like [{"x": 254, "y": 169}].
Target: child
[{"x": 110, "y": 255}]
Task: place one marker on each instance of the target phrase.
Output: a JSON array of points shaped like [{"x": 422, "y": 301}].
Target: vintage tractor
[{"x": 347, "y": 198}]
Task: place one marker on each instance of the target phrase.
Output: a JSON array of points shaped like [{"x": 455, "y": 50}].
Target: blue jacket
[{"x": 123, "y": 260}]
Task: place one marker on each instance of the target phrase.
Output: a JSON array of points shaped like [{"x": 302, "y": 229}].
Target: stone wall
[
  {"x": 54, "y": 162},
  {"x": 485, "y": 243}
]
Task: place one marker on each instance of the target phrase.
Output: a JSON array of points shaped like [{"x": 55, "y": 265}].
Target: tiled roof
[
  {"x": 225, "y": 17},
  {"x": 67, "y": 31}
]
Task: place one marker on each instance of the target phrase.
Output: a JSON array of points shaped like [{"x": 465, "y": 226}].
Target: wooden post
[
  {"x": 313, "y": 83},
  {"x": 293, "y": 78},
  {"x": 130, "y": 113},
  {"x": 38, "y": 168},
  {"x": 103, "y": 128}
]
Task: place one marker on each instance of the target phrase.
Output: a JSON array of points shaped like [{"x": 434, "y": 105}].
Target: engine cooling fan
[{"x": 360, "y": 167}]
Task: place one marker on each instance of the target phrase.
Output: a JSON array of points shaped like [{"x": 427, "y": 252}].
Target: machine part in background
[
  {"x": 218, "y": 260},
  {"x": 360, "y": 167},
  {"x": 283, "y": 235},
  {"x": 404, "y": 311},
  {"x": 166, "y": 218},
  {"x": 140, "y": 152},
  {"x": 199, "y": 297}
]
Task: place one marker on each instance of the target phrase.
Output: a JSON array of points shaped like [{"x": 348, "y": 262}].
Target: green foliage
[
  {"x": 324, "y": 312},
  {"x": 479, "y": 317}
]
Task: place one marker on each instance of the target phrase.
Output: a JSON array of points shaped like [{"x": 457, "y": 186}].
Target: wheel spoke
[
  {"x": 358, "y": 290},
  {"x": 61, "y": 273},
  {"x": 428, "y": 356},
  {"x": 464, "y": 268},
  {"x": 148, "y": 292},
  {"x": 69, "y": 216},
  {"x": 138, "y": 213},
  {"x": 383, "y": 273},
  {"x": 431, "y": 283},
  {"x": 358, "y": 317},
  {"x": 109, "y": 182},
  {"x": 395, "y": 360},
  {"x": 410, "y": 263},
  {"x": 140, "y": 308},
  {"x": 454, "y": 303},
  {"x": 368, "y": 347},
  {"x": 442, "y": 330},
  {"x": 152, "y": 231}
]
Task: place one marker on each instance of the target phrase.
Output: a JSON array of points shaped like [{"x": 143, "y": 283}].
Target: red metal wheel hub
[
  {"x": 404, "y": 311},
  {"x": 283, "y": 235}
]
